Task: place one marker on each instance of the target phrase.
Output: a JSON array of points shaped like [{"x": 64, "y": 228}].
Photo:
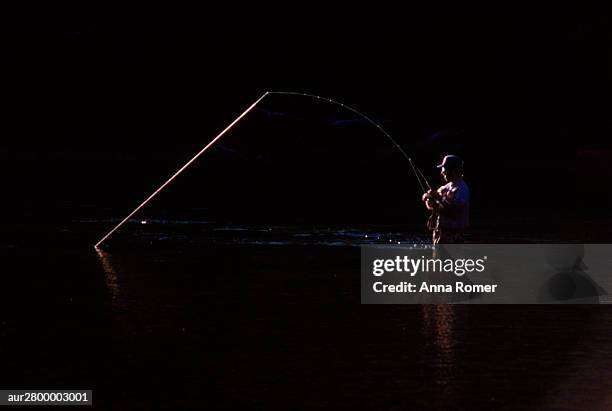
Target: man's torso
[{"x": 456, "y": 217}]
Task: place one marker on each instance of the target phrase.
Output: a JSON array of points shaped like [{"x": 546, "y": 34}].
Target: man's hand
[
  {"x": 431, "y": 198},
  {"x": 431, "y": 195}
]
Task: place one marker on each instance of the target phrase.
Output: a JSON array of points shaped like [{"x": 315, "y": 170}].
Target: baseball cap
[{"x": 451, "y": 161}]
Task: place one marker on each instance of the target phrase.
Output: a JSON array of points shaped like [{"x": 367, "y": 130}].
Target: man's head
[{"x": 451, "y": 168}]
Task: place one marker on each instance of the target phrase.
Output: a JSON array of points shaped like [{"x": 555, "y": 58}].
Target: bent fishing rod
[{"x": 417, "y": 172}]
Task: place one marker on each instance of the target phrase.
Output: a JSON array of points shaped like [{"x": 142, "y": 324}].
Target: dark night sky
[{"x": 144, "y": 85}]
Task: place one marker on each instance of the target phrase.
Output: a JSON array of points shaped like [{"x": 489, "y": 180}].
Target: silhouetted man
[{"x": 449, "y": 204}]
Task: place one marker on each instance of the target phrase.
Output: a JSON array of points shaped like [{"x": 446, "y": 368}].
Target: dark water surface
[{"x": 262, "y": 321}]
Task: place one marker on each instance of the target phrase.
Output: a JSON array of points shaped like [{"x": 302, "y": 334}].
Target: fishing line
[
  {"x": 375, "y": 124},
  {"x": 417, "y": 173},
  {"x": 424, "y": 179},
  {"x": 194, "y": 158}
]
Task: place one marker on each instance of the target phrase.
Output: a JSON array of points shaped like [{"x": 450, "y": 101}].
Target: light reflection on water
[
  {"x": 438, "y": 328},
  {"x": 185, "y": 233},
  {"x": 110, "y": 276}
]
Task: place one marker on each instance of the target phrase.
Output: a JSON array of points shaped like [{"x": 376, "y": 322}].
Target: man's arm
[
  {"x": 431, "y": 200},
  {"x": 447, "y": 204},
  {"x": 452, "y": 204}
]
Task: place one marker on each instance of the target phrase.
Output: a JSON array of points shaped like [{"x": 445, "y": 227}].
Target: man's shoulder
[{"x": 463, "y": 190}]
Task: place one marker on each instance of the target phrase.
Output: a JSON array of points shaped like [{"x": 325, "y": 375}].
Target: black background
[{"x": 103, "y": 101}]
